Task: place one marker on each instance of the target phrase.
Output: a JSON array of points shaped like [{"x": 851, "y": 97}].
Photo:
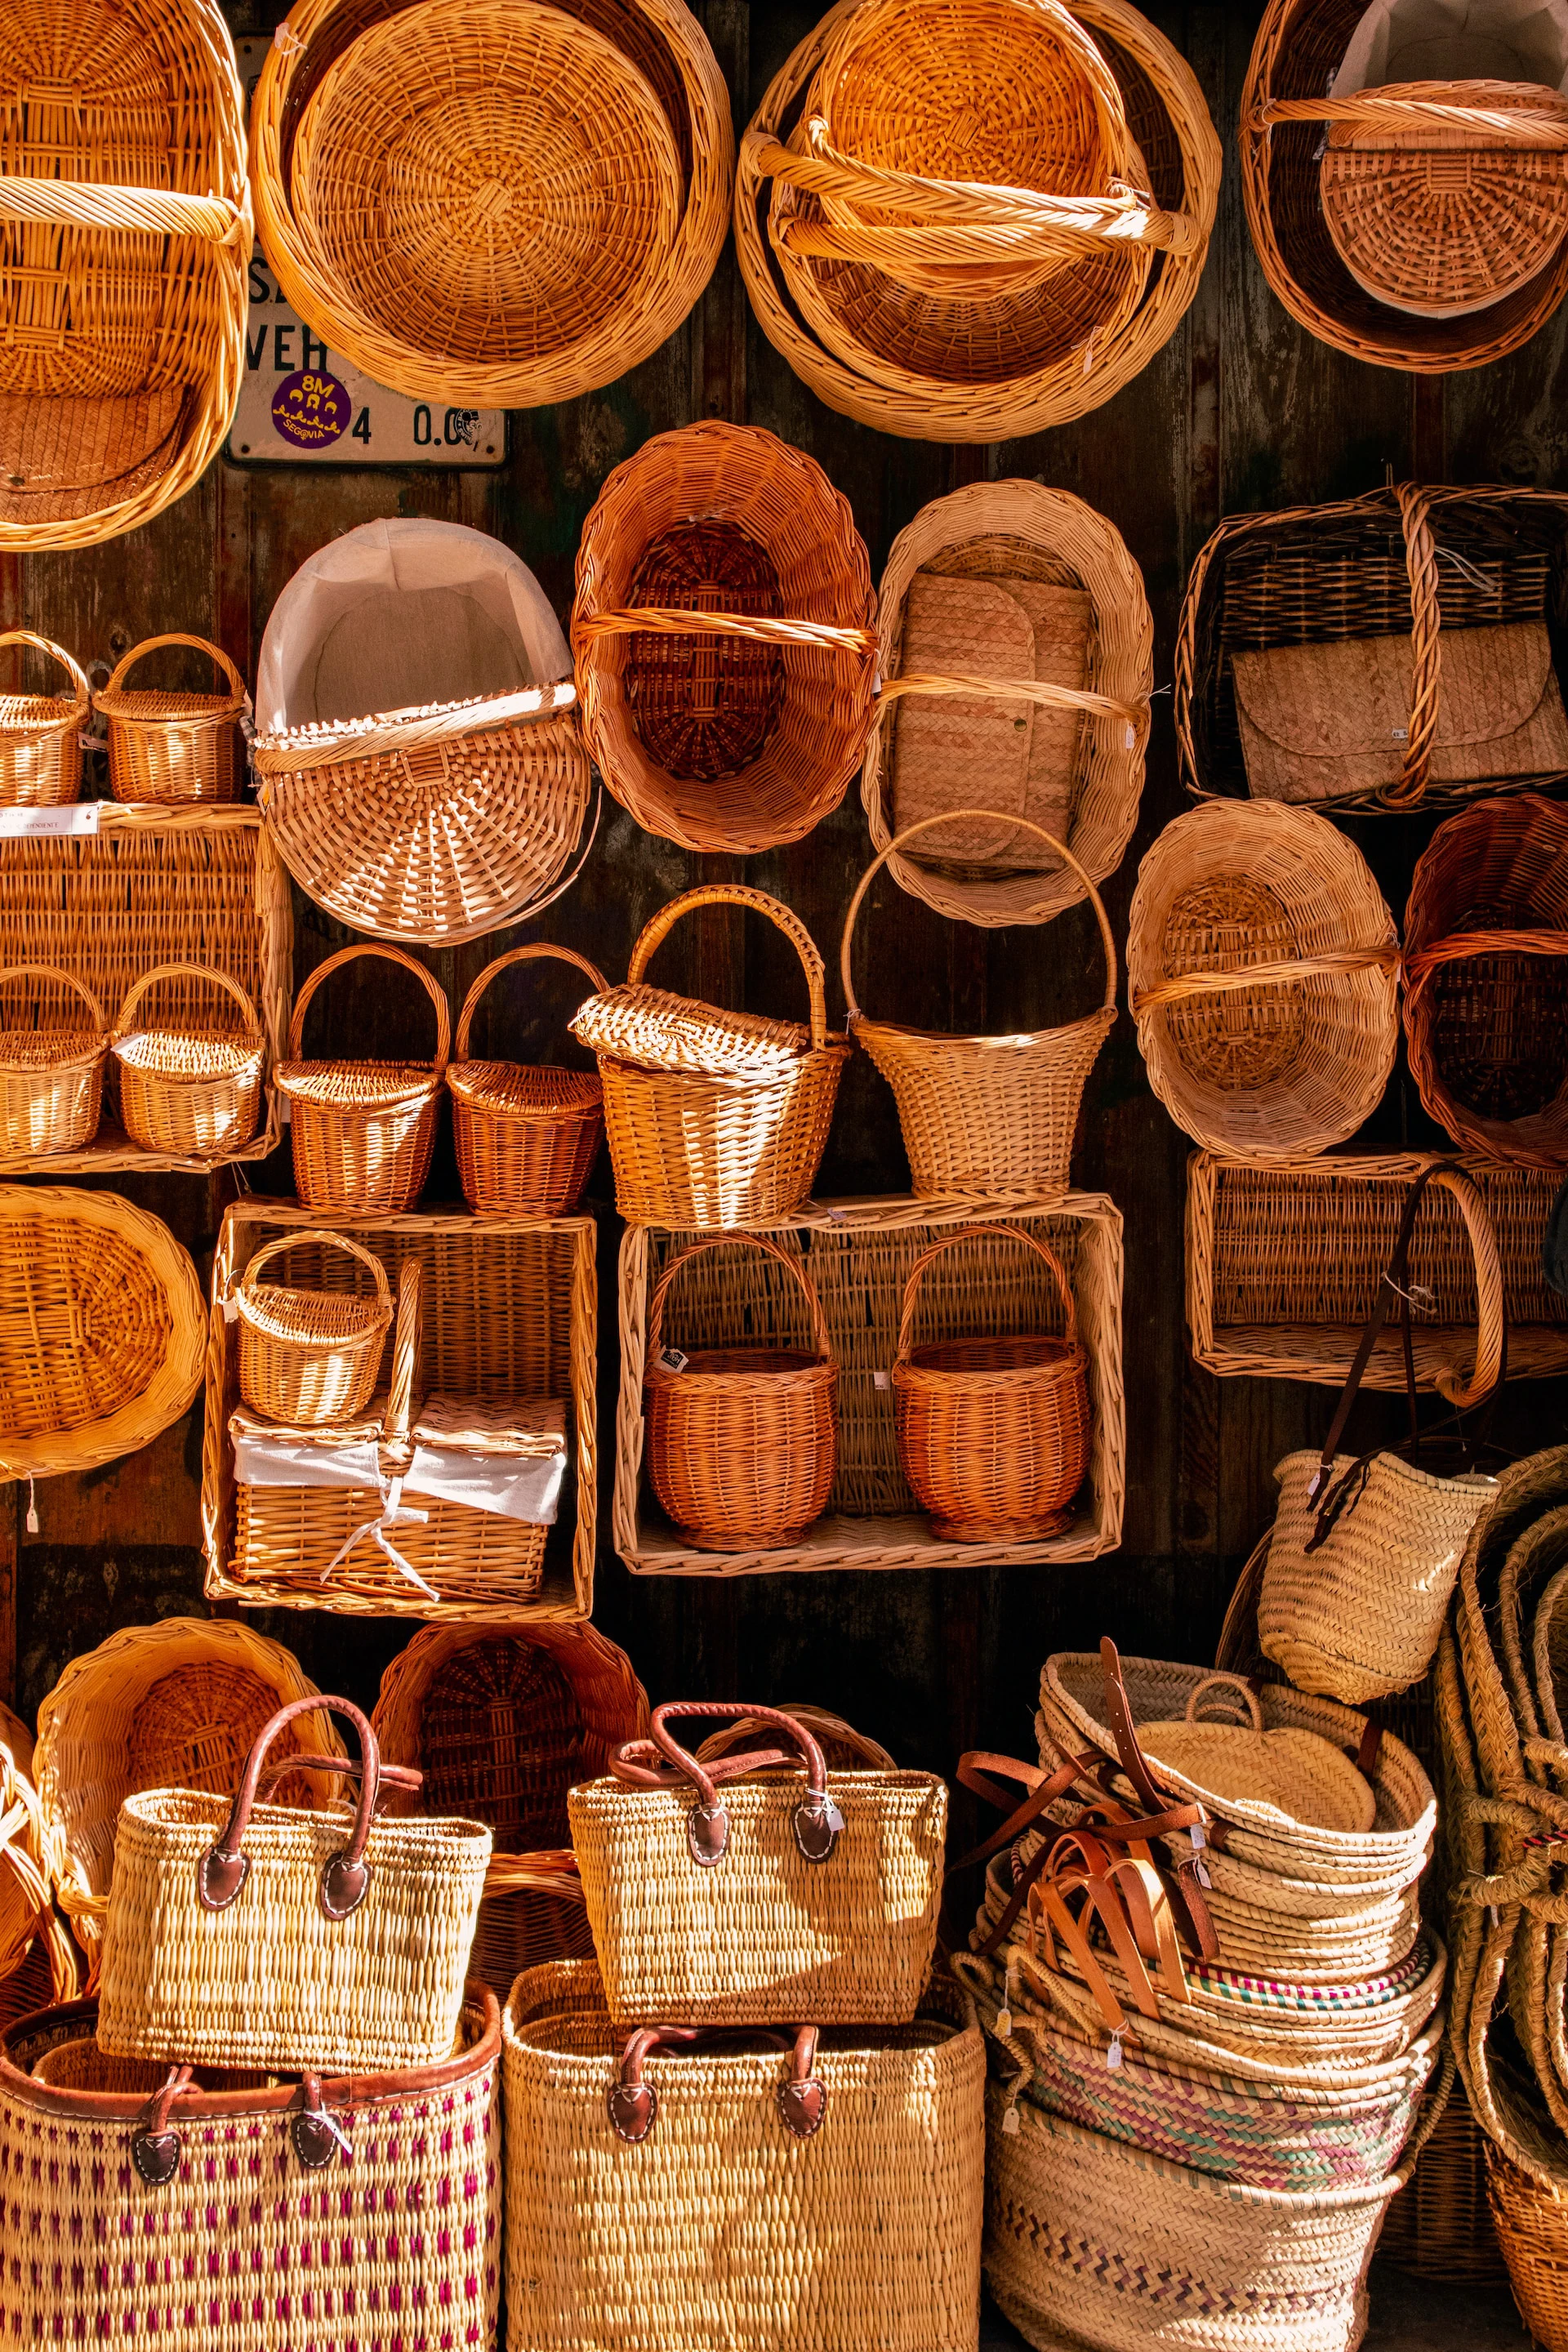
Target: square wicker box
[
  {"x": 860, "y": 1254},
  {"x": 149, "y": 887},
  {"x": 507, "y": 1308}
]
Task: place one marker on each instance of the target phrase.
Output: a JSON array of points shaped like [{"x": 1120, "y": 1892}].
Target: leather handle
[
  {"x": 1187, "y": 1898},
  {"x": 817, "y": 1819},
  {"x": 397, "y": 1779},
  {"x": 155, "y": 2149},
  {"x": 345, "y": 1875},
  {"x": 632, "y": 2103}
]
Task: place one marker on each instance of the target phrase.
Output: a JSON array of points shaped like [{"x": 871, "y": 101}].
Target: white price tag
[
  {"x": 672, "y": 1360},
  {"x": 43, "y": 823},
  {"x": 882, "y": 1380}
]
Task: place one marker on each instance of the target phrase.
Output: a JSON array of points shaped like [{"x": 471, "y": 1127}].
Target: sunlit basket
[
  {"x": 310, "y": 1356},
  {"x": 526, "y": 1139},
  {"x": 124, "y": 240},
  {"x": 844, "y": 1749},
  {"x": 37, "y": 1953},
  {"x": 363, "y": 1132},
  {"x": 1261, "y": 965},
  {"x": 722, "y": 630},
  {"x": 40, "y": 734},
  {"x": 186, "y": 1090},
  {"x": 51, "y": 1075},
  {"x": 174, "y": 746},
  {"x": 1532, "y": 2223}
]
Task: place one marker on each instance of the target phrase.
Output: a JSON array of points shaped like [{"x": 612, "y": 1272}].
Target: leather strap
[
  {"x": 660, "y": 1763},
  {"x": 1187, "y": 1894},
  {"x": 155, "y": 2149},
  {"x": 397, "y": 1779},
  {"x": 632, "y": 2103},
  {"x": 345, "y": 1876}
]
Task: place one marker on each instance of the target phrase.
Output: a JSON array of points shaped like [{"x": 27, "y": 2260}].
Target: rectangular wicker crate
[
  {"x": 507, "y": 1308},
  {"x": 1284, "y": 1260},
  {"x": 860, "y": 1254},
  {"x": 148, "y": 886}
]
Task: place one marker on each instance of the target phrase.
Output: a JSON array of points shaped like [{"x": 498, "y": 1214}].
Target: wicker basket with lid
[
  {"x": 363, "y": 1132},
  {"x": 310, "y": 1356},
  {"x": 165, "y": 746},
  {"x": 51, "y": 1061},
  {"x": 188, "y": 1089}
]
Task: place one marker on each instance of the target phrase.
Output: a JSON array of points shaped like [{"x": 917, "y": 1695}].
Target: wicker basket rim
[
  {"x": 809, "y": 1371},
  {"x": 382, "y": 1086},
  {"x": 264, "y": 1310},
  {"x": 183, "y": 1816},
  {"x": 272, "y": 747},
  {"x": 70, "y": 1054},
  {"x": 487, "y": 1087},
  {"x": 142, "y": 1050}
]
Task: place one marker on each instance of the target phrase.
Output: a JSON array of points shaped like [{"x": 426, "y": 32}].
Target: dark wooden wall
[{"x": 1242, "y": 409}]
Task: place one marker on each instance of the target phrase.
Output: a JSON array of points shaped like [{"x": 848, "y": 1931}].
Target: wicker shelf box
[
  {"x": 860, "y": 1254},
  {"x": 507, "y": 1313}
]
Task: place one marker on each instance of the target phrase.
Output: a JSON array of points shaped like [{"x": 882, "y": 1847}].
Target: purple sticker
[{"x": 312, "y": 409}]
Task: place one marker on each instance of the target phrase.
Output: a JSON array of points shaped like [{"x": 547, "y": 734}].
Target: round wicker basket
[
  {"x": 174, "y": 746},
  {"x": 40, "y": 734},
  {"x": 310, "y": 1357}
]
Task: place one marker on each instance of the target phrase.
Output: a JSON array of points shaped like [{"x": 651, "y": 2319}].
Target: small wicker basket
[
  {"x": 166, "y": 747},
  {"x": 1532, "y": 2223},
  {"x": 310, "y": 1356},
  {"x": 185, "y": 1090},
  {"x": 40, "y": 734},
  {"x": 527, "y": 1138},
  {"x": 742, "y": 1444},
  {"x": 993, "y": 1434},
  {"x": 363, "y": 1132},
  {"x": 51, "y": 1079}
]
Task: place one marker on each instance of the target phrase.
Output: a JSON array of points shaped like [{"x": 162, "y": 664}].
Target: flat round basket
[
  {"x": 526, "y": 1139},
  {"x": 40, "y": 734},
  {"x": 51, "y": 1060},
  {"x": 102, "y": 1330}
]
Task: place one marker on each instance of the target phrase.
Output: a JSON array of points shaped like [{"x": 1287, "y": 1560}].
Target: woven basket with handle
[
  {"x": 186, "y": 1090},
  {"x": 363, "y": 1132},
  {"x": 527, "y": 1138},
  {"x": 310, "y": 1356},
  {"x": 51, "y": 1075},
  {"x": 40, "y": 734},
  {"x": 174, "y": 746}
]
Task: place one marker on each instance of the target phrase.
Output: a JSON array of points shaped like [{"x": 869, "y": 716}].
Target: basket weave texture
[
  {"x": 52, "y": 1071},
  {"x": 363, "y": 1132},
  {"x": 308, "y": 1354},
  {"x": 526, "y": 1139},
  {"x": 1440, "y": 2227},
  {"x": 173, "y": 748},
  {"x": 40, "y": 734},
  {"x": 193, "y": 1092}
]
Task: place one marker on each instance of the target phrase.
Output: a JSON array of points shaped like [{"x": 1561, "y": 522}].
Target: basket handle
[
  {"x": 1273, "y": 973},
  {"x": 325, "y": 1241},
  {"x": 427, "y": 979},
  {"x": 67, "y": 979},
  {"x": 968, "y": 1234},
  {"x": 1460, "y": 945},
  {"x": 734, "y": 1241},
  {"x": 154, "y": 212},
  {"x": 632, "y": 2103},
  {"x": 31, "y": 636},
  {"x": 1229, "y": 1692},
  {"x": 151, "y": 645},
  {"x": 954, "y": 816},
  {"x": 397, "y": 1779},
  {"x": 345, "y": 1875},
  {"x": 1522, "y": 114},
  {"x": 405, "y": 1353},
  {"x": 517, "y": 955},
  {"x": 1013, "y": 689},
  {"x": 172, "y": 970},
  {"x": 725, "y": 894},
  {"x": 818, "y": 1720},
  {"x": 675, "y": 621},
  {"x": 660, "y": 1763}
]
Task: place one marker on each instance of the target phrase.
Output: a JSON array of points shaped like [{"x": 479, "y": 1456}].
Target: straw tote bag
[
  {"x": 728, "y": 1894},
  {"x": 1366, "y": 1551},
  {"x": 247, "y": 1933}
]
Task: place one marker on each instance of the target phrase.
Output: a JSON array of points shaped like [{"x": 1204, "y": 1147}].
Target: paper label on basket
[
  {"x": 882, "y": 1380},
  {"x": 513, "y": 1486},
  {"x": 81, "y": 817},
  {"x": 673, "y": 1360},
  {"x": 278, "y": 1461}
]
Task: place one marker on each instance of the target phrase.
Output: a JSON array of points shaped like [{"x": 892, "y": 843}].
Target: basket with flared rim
[
  {"x": 174, "y": 746},
  {"x": 527, "y": 1138},
  {"x": 186, "y": 1090},
  {"x": 363, "y": 1132},
  {"x": 310, "y": 1356},
  {"x": 741, "y": 1442},
  {"x": 712, "y": 1117},
  {"x": 992, "y": 1432},
  {"x": 984, "y": 1115},
  {"x": 51, "y": 1078},
  {"x": 40, "y": 734}
]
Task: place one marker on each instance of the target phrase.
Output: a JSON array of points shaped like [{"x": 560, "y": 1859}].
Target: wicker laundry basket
[
  {"x": 363, "y": 1132},
  {"x": 311, "y": 1355},
  {"x": 722, "y": 629},
  {"x": 51, "y": 1061},
  {"x": 174, "y": 746},
  {"x": 40, "y": 734},
  {"x": 526, "y": 1139},
  {"x": 189, "y": 1091}
]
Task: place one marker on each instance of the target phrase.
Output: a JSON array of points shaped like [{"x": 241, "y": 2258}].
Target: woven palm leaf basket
[
  {"x": 124, "y": 242},
  {"x": 1019, "y": 618},
  {"x": 166, "y": 746},
  {"x": 1261, "y": 967},
  {"x": 580, "y": 166},
  {"x": 40, "y": 734},
  {"x": 526, "y": 1138},
  {"x": 943, "y": 258},
  {"x": 51, "y": 1061}
]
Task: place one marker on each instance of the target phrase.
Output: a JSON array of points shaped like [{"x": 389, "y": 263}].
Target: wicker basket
[
  {"x": 40, "y": 734},
  {"x": 1486, "y": 969},
  {"x": 124, "y": 252},
  {"x": 828, "y": 239},
  {"x": 1440, "y": 2227},
  {"x": 1261, "y": 964},
  {"x": 741, "y": 1443},
  {"x": 1531, "y": 2224},
  {"x": 310, "y": 1356},
  {"x": 993, "y": 1116},
  {"x": 527, "y": 1138},
  {"x": 993, "y": 1434},
  {"x": 51, "y": 1078},
  {"x": 1066, "y": 762},
  {"x": 363, "y": 1132},
  {"x": 713, "y": 1118},
  {"x": 723, "y": 635},
  {"x": 844, "y": 1749},
  {"x": 191, "y": 1092},
  {"x": 173, "y": 748},
  {"x": 37, "y": 1953}
]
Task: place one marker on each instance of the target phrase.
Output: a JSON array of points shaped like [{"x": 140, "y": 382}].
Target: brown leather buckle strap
[
  {"x": 660, "y": 1763},
  {"x": 632, "y": 2103},
  {"x": 225, "y": 1866}
]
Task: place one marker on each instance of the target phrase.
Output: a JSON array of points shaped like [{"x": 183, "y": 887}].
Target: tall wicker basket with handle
[
  {"x": 363, "y": 1132},
  {"x": 40, "y": 734},
  {"x": 52, "y": 1067}
]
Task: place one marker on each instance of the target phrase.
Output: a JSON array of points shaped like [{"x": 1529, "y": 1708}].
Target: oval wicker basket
[
  {"x": 993, "y": 1434},
  {"x": 363, "y": 1132},
  {"x": 527, "y": 1138},
  {"x": 713, "y": 1118},
  {"x": 185, "y": 1090},
  {"x": 51, "y": 1079},
  {"x": 1261, "y": 964},
  {"x": 1076, "y": 757},
  {"x": 40, "y": 734},
  {"x": 310, "y": 1356},
  {"x": 722, "y": 630},
  {"x": 1485, "y": 979},
  {"x": 174, "y": 746},
  {"x": 993, "y": 1116},
  {"x": 740, "y": 1443}
]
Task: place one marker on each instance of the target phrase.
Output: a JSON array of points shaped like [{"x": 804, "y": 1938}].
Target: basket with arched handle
[
  {"x": 527, "y": 1138},
  {"x": 174, "y": 746},
  {"x": 189, "y": 1091},
  {"x": 741, "y": 1440},
  {"x": 713, "y": 1118},
  {"x": 993, "y": 1431},
  {"x": 51, "y": 1079},
  {"x": 310, "y": 1356},
  {"x": 363, "y": 1132},
  {"x": 991, "y": 1115},
  {"x": 40, "y": 734}
]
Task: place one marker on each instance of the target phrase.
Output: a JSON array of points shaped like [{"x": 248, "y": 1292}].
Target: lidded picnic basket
[
  {"x": 994, "y": 1116},
  {"x": 723, "y": 633},
  {"x": 184, "y": 1089},
  {"x": 51, "y": 1060},
  {"x": 1261, "y": 963},
  {"x": 40, "y": 734},
  {"x": 526, "y": 1139},
  {"x": 713, "y": 1118},
  {"x": 993, "y": 1434},
  {"x": 1485, "y": 979},
  {"x": 741, "y": 1441},
  {"x": 363, "y": 1132},
  {"x": 179, "y": 747},
  {"x": 310, "y": 1356}
]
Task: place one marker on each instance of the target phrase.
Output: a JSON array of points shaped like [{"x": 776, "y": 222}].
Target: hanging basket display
[
  {"x": 40, "y": 734},
  {"x": 187, "y": 1090},
  {"x": 363, "y": 1132},
  {"x": 527, "y": 1138},
  {"x": 51, "y": 1068},
  {"x": 174, "y": 746}
]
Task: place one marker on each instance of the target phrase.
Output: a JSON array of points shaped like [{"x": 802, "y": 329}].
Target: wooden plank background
[{"x": 1241, "y": 409}]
